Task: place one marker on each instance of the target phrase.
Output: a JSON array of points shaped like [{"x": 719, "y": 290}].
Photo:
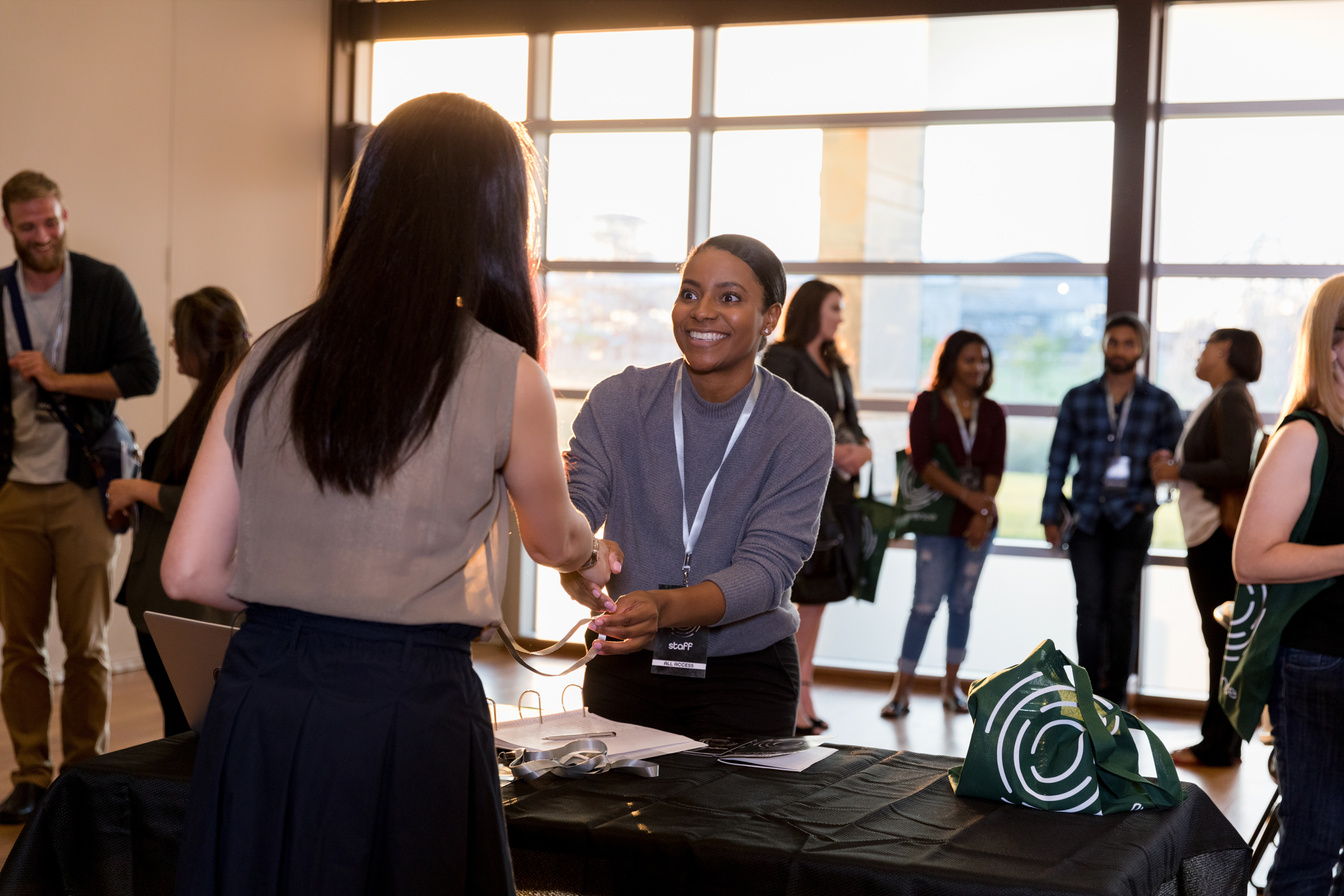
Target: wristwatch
[{"x": 592, "y": 558}]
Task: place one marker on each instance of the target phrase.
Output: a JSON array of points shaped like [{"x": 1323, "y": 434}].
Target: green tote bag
[
  {"x": 1041, "y": 739},
  {"x": 1262, "y": 612}
]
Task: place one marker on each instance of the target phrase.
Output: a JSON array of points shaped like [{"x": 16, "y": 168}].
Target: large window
[
  {"x": 1250, "y": 180},
  {"x": 968, "y": 171}
]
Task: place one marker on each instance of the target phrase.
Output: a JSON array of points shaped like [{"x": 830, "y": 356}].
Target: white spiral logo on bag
[
  {"x": 1039, "y": 726},
  {"x": 1239, "y": 631},
  {"x": 916, "y": 494}
]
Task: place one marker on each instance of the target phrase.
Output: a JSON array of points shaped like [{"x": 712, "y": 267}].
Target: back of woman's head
[
  {"x": 210, "y": 331},
  {"x": 436, "y": 230},
  {"x": 945, "y": 360},
  {"x": 1244, "y": 352},
  {"x": 211, "y": 336},
  {"x": 1313, "y": 382},
  {"x": 441, "y": 206}
]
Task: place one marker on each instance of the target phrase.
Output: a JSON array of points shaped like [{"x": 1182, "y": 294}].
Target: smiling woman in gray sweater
[{"x": 757, "y": 455}]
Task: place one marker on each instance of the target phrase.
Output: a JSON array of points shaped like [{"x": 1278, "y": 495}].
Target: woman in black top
[
  {"x": 1212, "y": 463},
  {"x": 1306, "y": 702},
  {"x": 210, "y": 338},
  {"x": 806, "y": 356}
]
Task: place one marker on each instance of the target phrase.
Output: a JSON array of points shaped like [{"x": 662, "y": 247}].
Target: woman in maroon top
[{"x": 955, "y": 413}]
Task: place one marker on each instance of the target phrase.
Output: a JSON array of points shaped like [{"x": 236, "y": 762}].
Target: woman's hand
[
  {"x": 122, "y": 493},
  {"x": 849, "y": 459},
  {"x": 585, "y": 585},
  {"x": 1163, "y": 467},
  {"x": 634, "y": 620},
  {"x": 978, "y": 530},
  {"x": 981, "y": 503}
]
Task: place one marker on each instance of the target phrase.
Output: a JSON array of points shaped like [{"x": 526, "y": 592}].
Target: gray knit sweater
[{"x": 762, "y": 519}]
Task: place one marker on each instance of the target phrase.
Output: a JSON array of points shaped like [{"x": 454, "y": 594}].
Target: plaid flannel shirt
[{"x": 1084, "y": 431}]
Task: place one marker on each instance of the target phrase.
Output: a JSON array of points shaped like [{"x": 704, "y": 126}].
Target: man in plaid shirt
[{"x": 1113, "y": 425}]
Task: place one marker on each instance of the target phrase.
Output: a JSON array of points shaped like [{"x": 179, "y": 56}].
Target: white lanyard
[
  {"x": 967, "y": 434},
  {"x": 839, "y": 388},
  {"x": 1118, "y": 430},
  {"x": 690, "y": 532}
]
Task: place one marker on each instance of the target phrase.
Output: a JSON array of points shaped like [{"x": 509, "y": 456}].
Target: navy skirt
[{"x": 345, "y": 757}]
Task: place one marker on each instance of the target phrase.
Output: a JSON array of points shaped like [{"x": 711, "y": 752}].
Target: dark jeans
[
  {"x": 1306, "y": 706},
  {"x": 1210, "y": 568},
  {"x": 1107, "y": 566}
]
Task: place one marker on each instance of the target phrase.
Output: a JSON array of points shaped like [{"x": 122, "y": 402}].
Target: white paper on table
[
  {"x": 624, "y": 741},
  {"x": 790, "y": 762}
]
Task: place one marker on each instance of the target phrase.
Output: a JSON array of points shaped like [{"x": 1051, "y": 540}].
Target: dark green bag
[
  {"x": 1262, "y": 612},
  {"x": 1041, "y": 739},
  {"x": 920, "y": 508},
  {"x": 877, "y": 521}
]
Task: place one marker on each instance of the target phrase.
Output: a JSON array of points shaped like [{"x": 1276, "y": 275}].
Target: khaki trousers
[{"x": 54, "y": 531}]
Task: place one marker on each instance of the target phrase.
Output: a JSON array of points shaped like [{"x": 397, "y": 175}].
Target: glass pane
[
  {"x": 1252, "y": 190},
  {"x": 1045, "y": 332},
  {"x": 765, "y": 184},
  {"x": 618, "y": 197},
  {"x": 1036, "y": 59},
  {"x": 1188, "y": 309},
  {"x": 1226, "y": 52},
  {"x": 599, "y": 324},
  {"x": 1023, "y": 486},
  {"x": 491, "y": 69},
  {"x": 1171, "y": 661},
  {"x": 963, "y": 193},
  {"x": 621, "y": 74},
  {"x": 830, "y": 67},
  {"x": 1007, "y": 191},
  {"x": 1020, "y": 601}
]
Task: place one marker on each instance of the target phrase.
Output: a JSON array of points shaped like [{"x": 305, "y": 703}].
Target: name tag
[
  {"x": 680, "y": 651},
  {"x": 1117, "y": 474}
]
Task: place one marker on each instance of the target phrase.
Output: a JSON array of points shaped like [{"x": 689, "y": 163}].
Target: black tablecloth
[{"x": 861, "y": 821}]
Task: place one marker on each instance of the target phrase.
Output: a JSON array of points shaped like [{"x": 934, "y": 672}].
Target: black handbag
[{"x": 114, "y": 454}]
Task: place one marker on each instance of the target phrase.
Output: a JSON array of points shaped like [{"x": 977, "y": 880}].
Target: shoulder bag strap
[
  {"x": 26, "y": 341},
  {"x": 16, "y": 305},
  {"x": 1318, "y": 466}
]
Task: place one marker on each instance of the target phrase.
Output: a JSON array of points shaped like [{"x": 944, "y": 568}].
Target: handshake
[{"x": 630, "y": 621}]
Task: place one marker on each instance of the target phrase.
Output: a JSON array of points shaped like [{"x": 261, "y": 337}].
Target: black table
[{"x": 861, "y": 821}]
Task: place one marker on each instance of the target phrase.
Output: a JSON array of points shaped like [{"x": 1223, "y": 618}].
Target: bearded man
[
  {"x": 88, "y": 346},
  {"x": 1113, "y": 425}
]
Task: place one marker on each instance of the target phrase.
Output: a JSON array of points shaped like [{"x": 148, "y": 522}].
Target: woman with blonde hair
[{"x": 1306, "y": 701}]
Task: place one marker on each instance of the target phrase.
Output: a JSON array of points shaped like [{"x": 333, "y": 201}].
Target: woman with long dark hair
[
  {"x": 210, "y": 337},
  {"x": 350, "y": 493},
  {"x": 1306, "y": 701},
  {"x": 1212, "y": 464},
  {"x": 710, "y": 473},
  {"x": 954, "y": 412},
  {"x": 806, "y": 357}
]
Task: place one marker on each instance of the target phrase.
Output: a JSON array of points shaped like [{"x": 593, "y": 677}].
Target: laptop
[{"x": 192, "y": 652}]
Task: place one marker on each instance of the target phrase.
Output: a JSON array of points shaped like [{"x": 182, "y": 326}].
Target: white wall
[{"x": 189, "y": 140}]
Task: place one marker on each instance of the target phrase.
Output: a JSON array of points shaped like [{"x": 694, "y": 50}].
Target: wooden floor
[{"x": 850, "y": 704}]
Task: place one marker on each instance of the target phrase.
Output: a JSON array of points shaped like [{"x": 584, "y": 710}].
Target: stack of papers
[
  {"x": 553, "y": 730},
  {"x": 791, "y": 754}
]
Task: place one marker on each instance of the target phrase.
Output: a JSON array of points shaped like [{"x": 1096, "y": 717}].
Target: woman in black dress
[{"x": 806, "y": 356}]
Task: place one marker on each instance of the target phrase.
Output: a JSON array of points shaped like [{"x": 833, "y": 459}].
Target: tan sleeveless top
[{"x": 429, "y": 546}]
